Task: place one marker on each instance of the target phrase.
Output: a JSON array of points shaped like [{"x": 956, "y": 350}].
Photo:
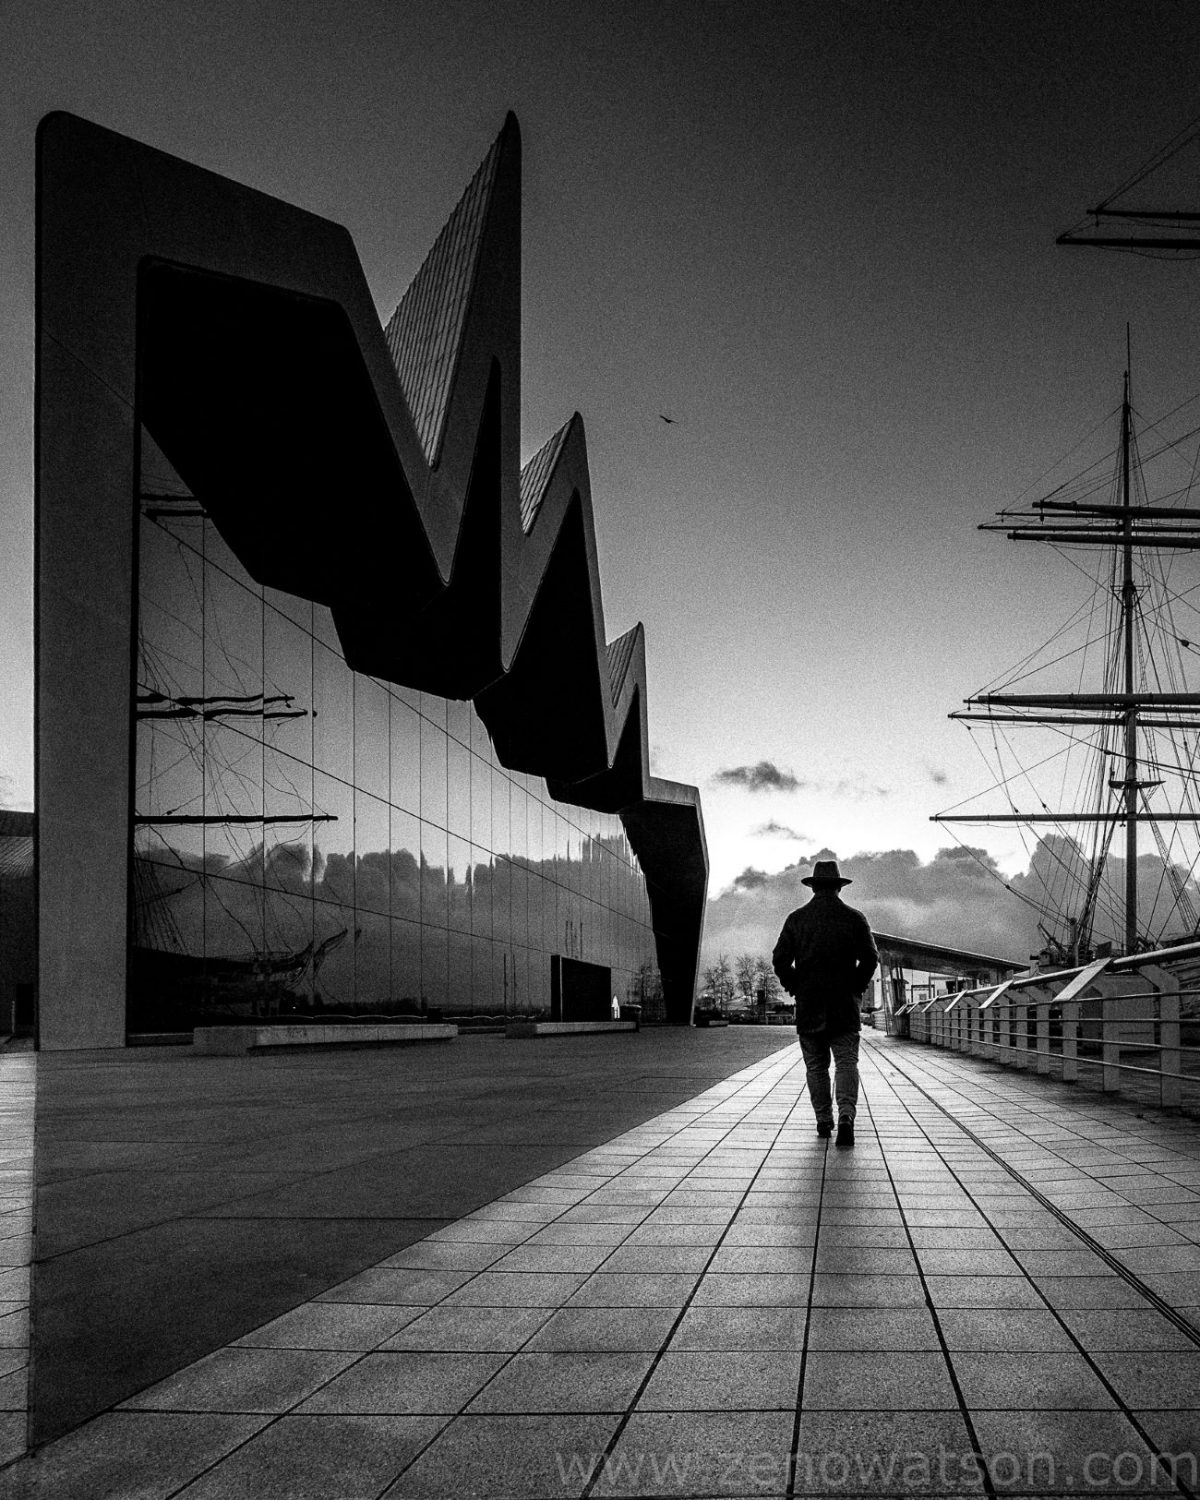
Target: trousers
[{"x": 817, "y": 1047}]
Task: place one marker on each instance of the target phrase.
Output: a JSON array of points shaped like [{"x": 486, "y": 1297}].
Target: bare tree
[
  {"x": 745, "y": 968},
  {"x": 766, "y": 979},
  {"x": 719, "y": 983}
]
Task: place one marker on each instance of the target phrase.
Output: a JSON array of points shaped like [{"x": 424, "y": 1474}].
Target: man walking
[{"x": 825, "y": 957}]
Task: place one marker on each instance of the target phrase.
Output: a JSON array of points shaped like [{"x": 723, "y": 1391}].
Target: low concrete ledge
[
  {"x": 235, "y": 1041},
  {"x": 518, "y": 1030}
]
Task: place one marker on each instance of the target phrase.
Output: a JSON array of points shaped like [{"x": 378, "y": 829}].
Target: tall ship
[{"x": 1092, "y": 739}]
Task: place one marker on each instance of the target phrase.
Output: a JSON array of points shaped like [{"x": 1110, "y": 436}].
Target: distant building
[
  {"x": 326, "y": 716},
  {"x": 912, "y": 970}
]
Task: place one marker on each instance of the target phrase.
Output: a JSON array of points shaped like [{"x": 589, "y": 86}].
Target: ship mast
[
  {"x": 1128, "y": 605},
  {"x": 1125, "y": 527}
]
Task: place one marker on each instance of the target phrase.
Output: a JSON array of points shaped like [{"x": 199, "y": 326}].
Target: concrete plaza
[{"x": 997, "y": 1291}]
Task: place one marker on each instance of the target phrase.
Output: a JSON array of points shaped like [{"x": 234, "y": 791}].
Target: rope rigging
[{"x": 1127, "y": 752}]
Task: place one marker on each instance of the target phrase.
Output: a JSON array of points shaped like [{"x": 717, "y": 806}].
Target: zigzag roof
[
  {"x": 535, "y": 477},
  {"x": 424, "y": 333},
  {"x": 620, "y": 659},
  {"x": 376, "y": 470}
]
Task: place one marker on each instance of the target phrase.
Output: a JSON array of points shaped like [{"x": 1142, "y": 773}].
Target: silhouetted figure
[{"x": 825, "y": 957}]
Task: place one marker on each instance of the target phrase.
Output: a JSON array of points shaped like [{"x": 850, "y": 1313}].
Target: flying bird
[{"x": 670, "y": 421}]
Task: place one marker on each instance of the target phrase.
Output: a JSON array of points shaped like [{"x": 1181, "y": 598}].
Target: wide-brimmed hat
[{"x": 825, "y": 872}]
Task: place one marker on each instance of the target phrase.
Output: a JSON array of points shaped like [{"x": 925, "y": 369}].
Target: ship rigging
[{"x": 1127, "y": 747}]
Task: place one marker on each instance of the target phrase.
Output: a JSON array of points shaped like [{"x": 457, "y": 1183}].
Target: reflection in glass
[
  {"x": 406, "y": 756},
  {"x": 168, "y": 756},
  {"x": 433, "y": 875},
  {"x": 333, "y": 714},
  {"x": 458, "y": 721},
  {"x": 372, "y": 888},
  {"x": 518, "y": 836},
  {"x": 372, "y": 757},
  {"x": 333, "y": 956},
  {"x": 458, "y": 767},
  {"x": 306, "y": 840},
  {"x": 486, "y": 994},
  {"x": 502, "y": 930},
  {"x": 433, "y": 774},
  {"x": 501, "y": 833},
  {"x": 520, "y": 978},
  {"x": 323, "y": 628},
  {"x": 519, "y": 923},
  {"x": 233, "y": 848},
  {"x": 234, "y": 943},
  {"x": 482, "y": 884},
  {"x": 551, "y": 892},
  {"x": 288, "y": 860},
  {"x": 298, "y": 611},
  {"x": 435, "y": 991},
  {"x": 458, "y": 975},
  {"x": 171, "y": 614},
  {"x": 434, "y": 709},
  {"x": 233, "y": 622},
  {"x": 481, "y": 803},
  {"x": 481, "y": 743},
  {"x": 287, "y": 682},
  {"x": 406, "y": 986},
  {"x": 405, "y": 861},
  {"x": 288, "y": 939},
  {"x": 333, "y": 840},
  {"x": 372, "y": 963},
  {"x": 459, "y": 884},
  {"x": 537, "y": 981}
]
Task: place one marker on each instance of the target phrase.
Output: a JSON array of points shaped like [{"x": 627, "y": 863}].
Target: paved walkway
[
  {"x": 17, "y": 1083},
  {"x": 997, "y": 1291},
  {"x": 184, "y": 1200}
]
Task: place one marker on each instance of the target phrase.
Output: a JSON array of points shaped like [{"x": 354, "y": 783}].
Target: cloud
[
  {"x": 855, "y": 790},
  {"x": 774, "y": 830},
  {"x": 764, "y": 777},
  {"x": 959, "y": 899},
  {"x": 956, "y": 899},
  {"x": 767, "y": 777}
]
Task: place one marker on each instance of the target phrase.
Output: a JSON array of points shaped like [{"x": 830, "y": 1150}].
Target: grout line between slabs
[
  {"x": 1184, "y": 1325},
  {"x": 755, "y": 1072},
  {"x": 1122, "y": 1406},
  {"x": 964, "y": 1409}
]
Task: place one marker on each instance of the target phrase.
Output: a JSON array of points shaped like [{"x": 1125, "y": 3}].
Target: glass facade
[{"x": 307, "y": 839}]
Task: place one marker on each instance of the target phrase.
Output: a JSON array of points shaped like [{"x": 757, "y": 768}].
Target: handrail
[
  {"x": 1084, "y": 1025},
  {"x": 1054, "y": 1000}
]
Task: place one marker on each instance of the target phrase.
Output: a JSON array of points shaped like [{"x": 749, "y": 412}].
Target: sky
[{"x": 820, "y": 236}]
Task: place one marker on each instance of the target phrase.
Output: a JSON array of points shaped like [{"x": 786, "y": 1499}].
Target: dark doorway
[{"x": 579, "y": 991}]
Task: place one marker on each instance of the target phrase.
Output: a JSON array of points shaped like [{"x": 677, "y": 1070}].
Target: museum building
[{"x": 327, "y": 719}]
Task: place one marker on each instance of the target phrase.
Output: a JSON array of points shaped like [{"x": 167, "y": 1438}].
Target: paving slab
[
  {"x": 18, "y": 1099},
  {"x": 184, "y": 1201},
  {"x": 812, "y": 1325}
]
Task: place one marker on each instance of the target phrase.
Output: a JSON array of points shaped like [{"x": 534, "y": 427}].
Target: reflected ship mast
[{"x": 156, "y": 936}]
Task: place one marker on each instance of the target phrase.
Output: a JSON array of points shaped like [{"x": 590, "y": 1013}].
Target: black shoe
[
  {"x": 824, "y": 1129},
  {"x": 845, "y": 1135}
]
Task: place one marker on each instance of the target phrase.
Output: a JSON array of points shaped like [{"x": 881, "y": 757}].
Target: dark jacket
[{"x": 825, "y": 957}]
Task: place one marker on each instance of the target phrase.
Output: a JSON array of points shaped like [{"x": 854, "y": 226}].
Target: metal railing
[{"x": 1123, "y": 1025}]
